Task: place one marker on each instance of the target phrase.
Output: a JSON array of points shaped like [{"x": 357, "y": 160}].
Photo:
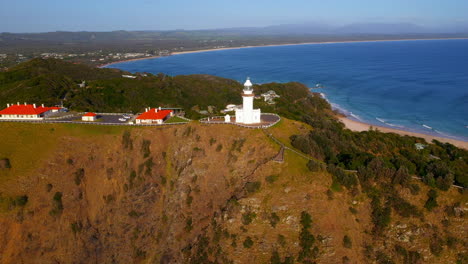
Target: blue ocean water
[{"x": 419, "y": 86}]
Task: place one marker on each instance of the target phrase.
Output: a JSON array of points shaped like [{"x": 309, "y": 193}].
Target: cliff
[{"x": 195, "y": 194}]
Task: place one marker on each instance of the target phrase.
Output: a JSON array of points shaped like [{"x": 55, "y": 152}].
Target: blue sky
[{"x": 106, "y": 15}]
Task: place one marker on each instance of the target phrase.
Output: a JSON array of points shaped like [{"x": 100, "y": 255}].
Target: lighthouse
[{"x": 246, "y": 114}]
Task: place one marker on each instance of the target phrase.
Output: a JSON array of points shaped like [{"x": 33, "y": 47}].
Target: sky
[{"x": 108, "y": 15}]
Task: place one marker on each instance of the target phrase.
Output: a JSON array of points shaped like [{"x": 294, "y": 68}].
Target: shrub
[
  {"x": 342, "y": 177},
  {"x": 281, "y": 240},
  {"x": 5, "y": 163},
  {"x": 382, "y": 258},
  {"x": 248, "y": 242},
  {"x": 127, "y": 141},
  {"x": 69, "y": 161},
  {"x": 401, "y": 176},
  {"x": 347, "y": 243},
  {"x": 219, "y": 147},
  {"x": 57, "y": 205},
  {"x": 76, "y": 227},
  {"x": 445, "y": 182},
  {"x": 188, "y": 224},
  {"x": 429, "y": 179},
  {"x": 272, "y": 178},
  {"x": 274, "y": 219},
  {"x": 252, "y": 187},
  {"x": 431, "y": 202},
  {"x": 380, "y": 216},
  {"x": 248, "y": 217},
  {"x": 145, "y": 148},
  {"x": 134, "y": 214},
  {"x": 414, "y": 188},
  {"x": 315, "y": 166},
  {"x": 404, "y": 208},
  {"x": 306, "y": 239},
  {"x": 189, "y": 200},
  {"x": 345, "y": 260},
  {"x": 212, "y": 141},
  {"x": 79, "y": 175},
  {"x": 436, "y": 245}
]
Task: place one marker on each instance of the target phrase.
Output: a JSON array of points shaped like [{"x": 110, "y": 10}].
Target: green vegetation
[
  {"x": 431, "y": 202},
  {"x": 248, "y": 242},
  {"x": 175, "y": 119},
  {"x": 76, "y": 227},
  {"x": 248, "y": 217},
  {"x": 409, "y": 257},
  {"x": 306, "y": 240},
  {"x": 10, "y": 203},
  {"x": 274, "y": 219},
  {"x": 436, "y": 245},
  {"x": 188, "y": 224},
  {"x": 5, "y": 163},
  {"x": 272, "y": 178},
  {"x": 79, "y": 175},
  {"x": 49, "y": 81},
  {"x": 252, "y": 187},
  {"x": 347, "y": 243},
  {"x": 145, "y": 148},
  {"x": 57, "y": 205}
]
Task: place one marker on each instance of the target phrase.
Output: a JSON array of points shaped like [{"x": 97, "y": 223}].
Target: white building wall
[{"x": 26, "y": 117}]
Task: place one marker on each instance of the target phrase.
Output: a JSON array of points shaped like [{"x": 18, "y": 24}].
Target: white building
[
  {"x": 154, "y": 116},
  {"x": 270, "y": 96},
  {"x": 248, "y": 115},
  {"x": 28, "y": 111},
  {"x": 89, "y": 117}
]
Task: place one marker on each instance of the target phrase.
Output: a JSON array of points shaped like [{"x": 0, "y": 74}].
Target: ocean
[{"x": 416, "y": 85}]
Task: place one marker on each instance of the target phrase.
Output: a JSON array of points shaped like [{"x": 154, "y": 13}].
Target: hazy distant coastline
[{"x": 275, "y": 45}]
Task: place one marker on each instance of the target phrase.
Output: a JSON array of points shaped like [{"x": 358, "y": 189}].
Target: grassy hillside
[{"x": 201, "y": 194}]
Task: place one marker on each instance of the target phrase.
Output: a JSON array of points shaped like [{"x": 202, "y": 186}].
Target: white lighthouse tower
[{"x": 248, "y": 115}]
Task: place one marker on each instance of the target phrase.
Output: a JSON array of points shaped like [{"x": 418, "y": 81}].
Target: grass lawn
[{"x": 175, "y": 119}]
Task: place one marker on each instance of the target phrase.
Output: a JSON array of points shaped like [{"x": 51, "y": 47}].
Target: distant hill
[{"x": 156, "y": 40}]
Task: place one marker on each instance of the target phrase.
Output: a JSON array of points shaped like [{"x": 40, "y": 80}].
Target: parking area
[{"x": 101, "y": 118}]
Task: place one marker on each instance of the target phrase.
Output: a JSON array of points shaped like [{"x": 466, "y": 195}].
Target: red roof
[
  {"x": 90, "y": 114},
  {"x": 154, "y": 114},
  {"x": 28, "y": 109}
]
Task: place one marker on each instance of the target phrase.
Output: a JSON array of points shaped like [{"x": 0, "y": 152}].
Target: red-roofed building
[
  {"x": 27, "y": 111},
  {"x": 153, "y": 116},
  {"x": 89, "y": 117}
]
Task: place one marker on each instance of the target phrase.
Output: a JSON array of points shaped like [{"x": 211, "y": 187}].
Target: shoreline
[
  {"x": 272, "y": 45},
  {"x": 360, "y": 126},
  {"x": 349, "y": 123}
]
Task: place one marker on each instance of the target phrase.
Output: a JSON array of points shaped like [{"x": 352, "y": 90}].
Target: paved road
[{"x": 101, "y": 118}]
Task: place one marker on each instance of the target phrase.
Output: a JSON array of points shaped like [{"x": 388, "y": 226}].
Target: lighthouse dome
[{"x": 247, "y": 82}]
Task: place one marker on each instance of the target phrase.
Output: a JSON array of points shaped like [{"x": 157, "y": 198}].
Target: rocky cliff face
[
  {"x": 144, "y": 194},
  {"x": 191, "y": 194}
]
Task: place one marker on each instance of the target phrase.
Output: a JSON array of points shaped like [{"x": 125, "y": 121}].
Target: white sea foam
[
  {"x": 428, "y": 127},
  {"x": 381, "y": 120},
  {"x": 387, "y": 123}
]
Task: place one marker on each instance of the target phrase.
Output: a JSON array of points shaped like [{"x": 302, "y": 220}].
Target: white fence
[{"x": 207, "y": 120}]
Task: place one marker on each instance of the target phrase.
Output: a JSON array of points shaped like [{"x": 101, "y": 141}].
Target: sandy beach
[
  {"x": 270, "y": 45},
  {"x": 359, "y": 126}
]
